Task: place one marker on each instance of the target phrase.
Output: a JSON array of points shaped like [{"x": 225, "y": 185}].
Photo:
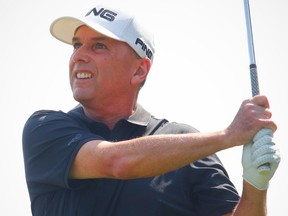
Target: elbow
[
  {"x": 116, "y": 163},
  {"x": 123, "y": 168}
]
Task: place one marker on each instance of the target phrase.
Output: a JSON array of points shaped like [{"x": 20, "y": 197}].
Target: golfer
[{"x": 108, "y": 156}]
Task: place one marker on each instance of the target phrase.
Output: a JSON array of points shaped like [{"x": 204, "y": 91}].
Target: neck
[{"x": 111, "y": 113}]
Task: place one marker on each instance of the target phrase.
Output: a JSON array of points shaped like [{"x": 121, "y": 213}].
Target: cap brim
[{"x": 64, "y": 28}]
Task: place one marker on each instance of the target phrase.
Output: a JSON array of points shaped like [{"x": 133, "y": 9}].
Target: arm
[
  {"x": 143, "y": 157},
  {"x": 255, "y": 185},
  {"x": 153, "y": 155},
  {"x": 252, "y": 202}
]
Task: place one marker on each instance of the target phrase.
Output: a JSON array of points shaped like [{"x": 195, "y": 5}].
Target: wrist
[{"x": 250, "y": 187}]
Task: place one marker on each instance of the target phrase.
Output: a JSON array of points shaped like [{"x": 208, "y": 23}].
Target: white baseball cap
[{"x": 111, "y": 22}]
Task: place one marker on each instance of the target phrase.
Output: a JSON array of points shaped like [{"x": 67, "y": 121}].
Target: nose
[{"x": 80, "y": 55}]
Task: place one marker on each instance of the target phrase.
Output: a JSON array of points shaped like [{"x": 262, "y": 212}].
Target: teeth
[{"x": 83, "y": 75}]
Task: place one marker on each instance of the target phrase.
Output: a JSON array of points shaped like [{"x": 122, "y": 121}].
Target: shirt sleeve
[
  {"x": 213, "y": 193},
  {"x": 50, "y": 142}
]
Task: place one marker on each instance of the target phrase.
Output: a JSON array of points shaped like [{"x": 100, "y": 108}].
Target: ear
[{"x": 141, "y": 72}]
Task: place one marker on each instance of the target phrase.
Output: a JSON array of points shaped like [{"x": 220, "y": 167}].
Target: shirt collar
[{"x": 140, "y": 116}]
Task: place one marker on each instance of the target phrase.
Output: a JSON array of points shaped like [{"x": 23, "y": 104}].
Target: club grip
[{"x": 254, "y": 80}]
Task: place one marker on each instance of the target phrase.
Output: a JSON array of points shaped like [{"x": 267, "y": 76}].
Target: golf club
[{"x": 253, "y": 68}]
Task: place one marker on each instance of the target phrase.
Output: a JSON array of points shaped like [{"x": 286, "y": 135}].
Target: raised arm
[{"x": 157, "y": 154}]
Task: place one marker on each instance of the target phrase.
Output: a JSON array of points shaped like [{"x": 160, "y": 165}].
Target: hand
[
  {"x": 262, "y": 151},
  {"x": 253, "y": 115}
]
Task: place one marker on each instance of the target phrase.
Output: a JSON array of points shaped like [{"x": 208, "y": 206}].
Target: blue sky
[{"x": 200, "y": 74}]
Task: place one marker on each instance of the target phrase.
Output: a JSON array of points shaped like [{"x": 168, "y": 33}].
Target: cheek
[
  {"x": 71, "y": 66},
  {"x": 71, "y": 63},
  {"x": 70, "y": 72}
]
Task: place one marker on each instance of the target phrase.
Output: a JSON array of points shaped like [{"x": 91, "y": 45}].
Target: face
[{"x": 101, "y": 68}]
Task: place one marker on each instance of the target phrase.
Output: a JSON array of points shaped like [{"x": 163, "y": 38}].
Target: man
[{"x": 108, "y": 156}]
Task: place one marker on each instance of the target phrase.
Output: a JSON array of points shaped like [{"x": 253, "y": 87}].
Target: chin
[{"x": 81, "y": 96}]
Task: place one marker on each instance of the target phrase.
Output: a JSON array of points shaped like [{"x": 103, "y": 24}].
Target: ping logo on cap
[
  {"x": 144, "y": 47},
  {"x": 103, "y": 13},
  {"x": 122, "y": 27}
]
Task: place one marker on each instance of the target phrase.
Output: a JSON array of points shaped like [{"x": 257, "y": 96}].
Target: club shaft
[
  {"x": 253, "y": 67},
  {"x": 249, "y": 32}
]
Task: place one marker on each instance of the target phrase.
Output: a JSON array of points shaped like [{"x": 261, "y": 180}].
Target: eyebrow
[{"x": 77, "y": 39}]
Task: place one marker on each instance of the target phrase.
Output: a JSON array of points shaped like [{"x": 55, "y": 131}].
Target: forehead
[{"x": 86, "y": 31}]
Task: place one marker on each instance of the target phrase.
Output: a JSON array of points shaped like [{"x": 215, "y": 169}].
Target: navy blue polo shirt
[{"x": 51, "y": 140}]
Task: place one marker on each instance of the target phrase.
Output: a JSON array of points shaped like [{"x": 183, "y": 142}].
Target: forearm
[
  {"x": 252, "y": 202},
  {"x": 155, "y": 155},
  {"x": 145, "y": 156}
]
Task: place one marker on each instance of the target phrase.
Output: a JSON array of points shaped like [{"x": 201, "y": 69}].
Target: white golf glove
[{"x": 262, "y": 152}]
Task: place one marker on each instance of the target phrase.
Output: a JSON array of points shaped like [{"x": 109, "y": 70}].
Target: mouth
[{"x": 83, "y": 75}]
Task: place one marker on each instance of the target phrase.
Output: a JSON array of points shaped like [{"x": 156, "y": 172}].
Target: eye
[
  {"x": 77, "y": 46},
  {"x": 98, "y": 46}
]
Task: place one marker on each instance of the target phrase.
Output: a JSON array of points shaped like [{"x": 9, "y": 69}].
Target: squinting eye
[
  {"x": 98, "y": 46},
  {"x": 77, "y": 45}
]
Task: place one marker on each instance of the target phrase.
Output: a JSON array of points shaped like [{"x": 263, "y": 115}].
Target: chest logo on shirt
[{"x": 159, "y": 183}]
